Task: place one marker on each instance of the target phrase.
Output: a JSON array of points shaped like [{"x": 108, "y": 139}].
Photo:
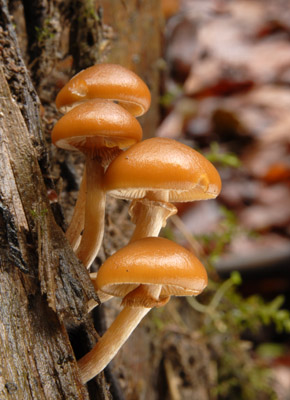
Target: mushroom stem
[
  {"x": 114, "y": 338},
  {"x": 94, "y": 213},
  {"x": 76, "y": 226},
  {"x": 149, "y": 216}
]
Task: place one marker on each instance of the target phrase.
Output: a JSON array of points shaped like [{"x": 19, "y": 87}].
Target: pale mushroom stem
[
  {"x": 107, "y": 347},
  {"x": 150, "y": 215},
  {"x": 94, "y": 213},
  {"x": 76, "y": 226}
]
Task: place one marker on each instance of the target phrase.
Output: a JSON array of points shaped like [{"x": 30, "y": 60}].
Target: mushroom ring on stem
[
  {"x": 106, "y": 81},
  {"x": 145, "y": 274},
  {"x": 155, "y": 172},
  {"x": 99, "y": 129}
]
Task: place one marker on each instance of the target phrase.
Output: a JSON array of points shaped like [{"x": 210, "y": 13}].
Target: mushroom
[
  {"x": 145, "y": 274},
  {"x": 98, "y": 128},
  {"x": 155, "y": 172},
  {"x": 106, "y": 81},
  {"x": 76, "y": 226}
]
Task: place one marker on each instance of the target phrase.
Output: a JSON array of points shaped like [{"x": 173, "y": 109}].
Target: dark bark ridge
[
  {"x": 63, "y": 279},
  {"x": 42, "y": 284},
  {"x": 36, "y": 357}
]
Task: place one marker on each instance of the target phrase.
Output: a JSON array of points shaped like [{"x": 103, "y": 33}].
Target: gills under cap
[
  {"x": 94, "y": 124},
  {"x": 152, "y": 261},
  {"x": 161, "y": 164}
]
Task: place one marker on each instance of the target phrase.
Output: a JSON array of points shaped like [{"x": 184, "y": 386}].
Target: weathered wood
[
  {"x": 45, "y": 22},
  {"x": 37, "y": 361},
  {"x": 36, "y": 357},
  {"x": 42, "y": 284},
  {"x": 63, "y": 279},
  {"x": 86, "y": 34}
]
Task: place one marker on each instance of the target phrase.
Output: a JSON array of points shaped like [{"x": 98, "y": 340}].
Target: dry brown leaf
[
  {"x": 273, "y": 210},
  {"x": 280, "y": 131},
  {"x": 248, "y": 253},
  {"x": 240, "y": 191},
  {"x": 171, "y": 126},
  {"x": 278, "y": 172},
  {"x": 202, "y": 217},
  {"x": 258, "y": 159}
]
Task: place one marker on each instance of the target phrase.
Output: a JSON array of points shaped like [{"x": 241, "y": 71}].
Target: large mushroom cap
[
  {"x": 96, "y": 124},
  {"x": 161, "y": 164},
  {"x": 152, "y": 261},
  {"x": 107, "y": 81}
]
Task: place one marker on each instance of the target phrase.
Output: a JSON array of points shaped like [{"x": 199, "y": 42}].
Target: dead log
[{"x": 42, "y": 284}]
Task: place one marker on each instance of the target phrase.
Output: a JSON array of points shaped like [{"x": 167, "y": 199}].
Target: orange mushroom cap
[
  {"x": 95, "y": 124},
  {"x": 162, "y": 164},
  {"x": 145, "y": 273},
  {"x": 152, "y": 261},
  {"x": 107, "y": 81}
]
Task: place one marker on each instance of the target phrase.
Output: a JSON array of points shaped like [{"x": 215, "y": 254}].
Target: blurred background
[{"x": 225, "y": 90}]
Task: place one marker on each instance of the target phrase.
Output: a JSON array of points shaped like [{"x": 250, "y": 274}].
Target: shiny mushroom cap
[
  {"x": 106, "y": 81},
  {"x": 161, "y": 164},
  {"x": 152, "y": 261},
  {"x": 95, "y": 124}
]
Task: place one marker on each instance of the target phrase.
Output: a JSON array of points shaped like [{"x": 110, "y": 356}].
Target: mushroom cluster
[
  {"x": 99, "y": 127},
  {"x": 153, "y": 174}
]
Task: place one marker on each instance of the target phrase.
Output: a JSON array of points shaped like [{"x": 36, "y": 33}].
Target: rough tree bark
[
  {"x": 44, "y": 289},
  {"x": 42, "y": 282}
]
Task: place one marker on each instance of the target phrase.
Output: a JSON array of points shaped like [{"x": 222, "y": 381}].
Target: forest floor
[{"x": 227, "y": 93}]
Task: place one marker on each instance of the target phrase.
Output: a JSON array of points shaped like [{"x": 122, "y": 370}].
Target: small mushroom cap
[
  {"x": 96, "y": 124},
  {"x": 161, "y": 164},
  {"x": 106, "y": 81},
  {"x": 152, "y": 261}
]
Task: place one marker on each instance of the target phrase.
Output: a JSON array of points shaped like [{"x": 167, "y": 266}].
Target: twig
[
  {"x": 179, "y": 224},
  {"x": 172, "y": 380}
]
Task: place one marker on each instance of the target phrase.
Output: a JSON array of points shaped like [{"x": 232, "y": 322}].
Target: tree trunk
[
  {"x": 135, "y": 39},
  {"x": 44, "y": 289}
]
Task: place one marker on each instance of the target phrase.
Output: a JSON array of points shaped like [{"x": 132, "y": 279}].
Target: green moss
[{"x": 44, "y": 33}]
